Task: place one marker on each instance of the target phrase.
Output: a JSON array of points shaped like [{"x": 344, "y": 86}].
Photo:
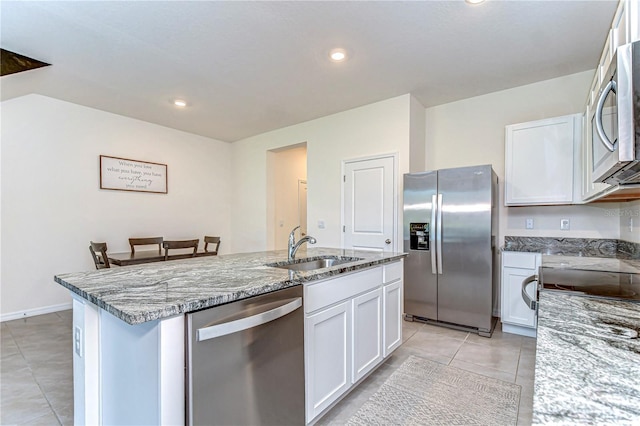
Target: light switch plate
[
  {"x": 77, "y": 341},
  {"x": 321, "y": 224},
  {"x": 564, "y": 224}
]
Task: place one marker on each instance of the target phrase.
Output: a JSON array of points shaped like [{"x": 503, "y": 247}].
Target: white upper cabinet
[{"x": 539, "y": 161}]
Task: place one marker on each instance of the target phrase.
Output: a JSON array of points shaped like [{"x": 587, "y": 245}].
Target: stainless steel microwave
[{"x": 615, "y": 121}]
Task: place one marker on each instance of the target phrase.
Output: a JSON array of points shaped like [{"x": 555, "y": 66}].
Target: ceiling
[{"x": 246, "y": 68}]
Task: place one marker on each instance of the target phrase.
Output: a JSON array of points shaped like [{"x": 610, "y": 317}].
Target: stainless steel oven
[
  {"x": 606, "y": 284},
  {"x": 615, "y": 121}
]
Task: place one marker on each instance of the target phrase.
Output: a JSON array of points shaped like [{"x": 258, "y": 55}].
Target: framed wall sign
[{"x": 122, "y": 174}]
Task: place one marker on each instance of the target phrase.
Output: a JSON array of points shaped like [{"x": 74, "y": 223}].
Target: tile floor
[
  {"x": 36, "y": 370},
  {"x": 37, "y": 384},
  {"x": 504, "y": 356}
]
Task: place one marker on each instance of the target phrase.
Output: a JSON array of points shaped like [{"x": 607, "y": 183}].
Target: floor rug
[{"x": 423, "y": 392}]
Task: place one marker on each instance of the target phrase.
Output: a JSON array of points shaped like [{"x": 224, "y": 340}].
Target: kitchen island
[
  {"x": 587, "y": 360},
  {"x": 129, "y": 323}
]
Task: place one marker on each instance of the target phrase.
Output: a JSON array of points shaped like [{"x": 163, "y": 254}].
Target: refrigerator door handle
[
  {"x": 432, "y": 234},
  {"x": 439, "y": 234}
]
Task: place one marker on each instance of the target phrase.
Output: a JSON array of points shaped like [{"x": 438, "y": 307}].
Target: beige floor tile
[
  {"x": 526, "y": 365},
  {"x": 66, "y": 315},
  {"x": 529, "y": 343},
  {"x": 21, "y": 398},
  {"x": 409, "y": 328},
  {"x": 485, "y": 371},
  {"x": 49, "y": 419},
  {"x": 498, "y": 338},
  {"x": 433, "y": 346},
  {"x": 403, "y": 352},
  {"x": 352, "y": 402},
  {"x": 494, "y": 357},
  {"x": 525, "y": 408},
  {"x": 444, "y": 331},
  {"x": 8, "y": 346}
]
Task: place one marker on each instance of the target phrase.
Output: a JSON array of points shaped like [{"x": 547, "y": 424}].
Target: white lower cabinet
[
  {"x": 392, "y": 325},
  {"x": 367, "y": 333},
  {"x": 328, "y": 350},
  {"x": 351, "y": 324},
  {"x": 517, "y": 317}
]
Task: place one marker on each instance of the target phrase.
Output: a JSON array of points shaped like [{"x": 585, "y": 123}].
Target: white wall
[
  {"x": 379, "y": 128},
  {"x": 472, "y": 131},
  {"x": 52, "y": 204},
  {"x": 630, "y": 216}
]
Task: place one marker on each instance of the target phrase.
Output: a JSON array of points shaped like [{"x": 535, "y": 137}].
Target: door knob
[{"x": 387, "y": 241}]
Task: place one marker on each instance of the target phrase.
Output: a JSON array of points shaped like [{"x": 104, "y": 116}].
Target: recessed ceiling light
[
  {"x": 338, "y": 55},
  {"x": 180, "y": 103},
  {"x": 474, "y": 1}
]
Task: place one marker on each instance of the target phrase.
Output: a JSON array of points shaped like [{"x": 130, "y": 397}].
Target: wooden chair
[
  {"x": 172, "y": 245},
  {"x": 211, "y": 240},
  {"x": 144, "y": 242},
  {"x": 99, "y": 254}
]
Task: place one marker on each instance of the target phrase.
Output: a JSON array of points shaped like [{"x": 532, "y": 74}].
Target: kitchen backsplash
[{"x": 574, "y": 246}]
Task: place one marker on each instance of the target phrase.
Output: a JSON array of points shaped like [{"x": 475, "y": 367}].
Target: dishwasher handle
[
  {"x": 242, "y": 324},
  {"x": 532, "y": 304}
]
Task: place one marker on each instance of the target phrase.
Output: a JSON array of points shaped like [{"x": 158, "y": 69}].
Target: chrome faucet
[{"x": 293, "y": 246}]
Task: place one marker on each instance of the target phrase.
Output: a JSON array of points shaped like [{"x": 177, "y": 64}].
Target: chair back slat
[
  {"x": 99, "y": 255},
  {"x": 145, "y": 242},
  {"x": 180, "y": 244},
  {"x": 211, "y": 240}
]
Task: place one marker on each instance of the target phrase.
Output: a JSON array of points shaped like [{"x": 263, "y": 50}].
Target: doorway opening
[{"x": 286, "y": 194}]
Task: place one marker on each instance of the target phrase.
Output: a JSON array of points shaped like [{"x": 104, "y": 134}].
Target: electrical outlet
[
  {"x": 564, "y": 224},
  {"x": 630, "y": 224},
  {"x": 77, "y": 340},
  {"x": 528, "y": 223}
]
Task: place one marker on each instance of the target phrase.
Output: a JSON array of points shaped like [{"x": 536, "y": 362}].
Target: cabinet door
[
  {"x": 540, "y": 161},
  {"x": 367, "y": 333},
  {"x": 514, "y": 309},
  {"x": 327, "y": 357},
  {"x": 392, "y": 327}
]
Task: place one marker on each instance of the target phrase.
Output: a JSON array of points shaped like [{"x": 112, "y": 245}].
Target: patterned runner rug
[{"x": 423, "y": 392}]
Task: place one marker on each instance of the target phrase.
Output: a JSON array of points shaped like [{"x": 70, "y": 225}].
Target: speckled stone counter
[
  {"x": 580, "y": 253},
  {"x": 587, "y": 361},
  {"x": 137, "y": 294},
  {"x": 591, "y": 263},
  {"x": 580, "y": 247}
]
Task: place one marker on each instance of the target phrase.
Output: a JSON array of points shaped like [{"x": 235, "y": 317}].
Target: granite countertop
[
  {"x": 141, "y": 293},
  {"x": 580, "y": 253},
  {"x": 587, "y": 360},
  {"x": 591, "y": 263}
]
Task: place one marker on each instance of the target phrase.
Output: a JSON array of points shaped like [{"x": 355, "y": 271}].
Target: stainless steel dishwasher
[{"x": 245, "y": 362}]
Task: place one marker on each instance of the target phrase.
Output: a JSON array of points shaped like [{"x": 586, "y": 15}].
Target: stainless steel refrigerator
[{"x": 450, "y": 229}]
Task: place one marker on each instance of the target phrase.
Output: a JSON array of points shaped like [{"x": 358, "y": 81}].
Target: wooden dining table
[{"x": 149, "y": 256}]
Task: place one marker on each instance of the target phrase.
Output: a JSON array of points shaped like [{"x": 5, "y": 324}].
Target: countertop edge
[{"x": 296, "y": 278}]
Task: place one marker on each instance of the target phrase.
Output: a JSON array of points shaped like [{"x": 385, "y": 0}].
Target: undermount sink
[{"x": 310, "y": 264}]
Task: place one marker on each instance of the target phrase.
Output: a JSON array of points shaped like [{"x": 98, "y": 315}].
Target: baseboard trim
[
  {"x": 521, "y": 330},
  {"x": 37, "y": 311}
]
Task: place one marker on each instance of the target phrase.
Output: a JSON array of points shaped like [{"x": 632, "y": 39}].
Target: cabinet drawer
[
  {"x": 392, "y": 272},
  {"x": 519, "y": 260},
  {"x": 325, "y": 293}
]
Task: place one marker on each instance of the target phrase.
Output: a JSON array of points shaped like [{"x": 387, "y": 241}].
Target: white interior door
[{"x": 369, "y": 204}]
